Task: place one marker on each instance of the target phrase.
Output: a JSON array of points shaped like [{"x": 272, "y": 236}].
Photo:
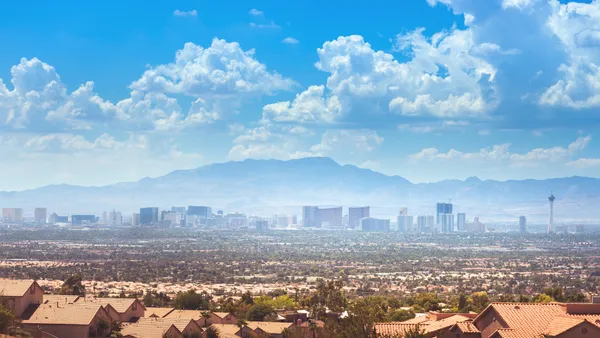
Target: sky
[{"x": 94, "y": 93}]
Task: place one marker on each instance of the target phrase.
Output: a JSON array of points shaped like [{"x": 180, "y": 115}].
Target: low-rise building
[
  {"x": 19, "y": 295},
  {"x": 74, "y": 321}
]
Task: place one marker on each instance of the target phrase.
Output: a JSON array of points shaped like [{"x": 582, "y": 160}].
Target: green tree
[
  {"x": 190, "y": 300},
  {"x": 328, "y": 294},
  {"x": 479, "y": 301},
  {"x": 73, "y": 286},
  {"x": 401, "y": 315},
  {"x": 543, "y": 298},
  {"x": 259, "y": 311},
  {"x": 7, "y": 319},
  {"x": 206, "y": 316}
]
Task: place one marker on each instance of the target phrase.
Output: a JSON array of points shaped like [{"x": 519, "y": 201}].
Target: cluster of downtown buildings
[
  {"x": 360, "y": 218},
  {"x": 445, "y": 220}
]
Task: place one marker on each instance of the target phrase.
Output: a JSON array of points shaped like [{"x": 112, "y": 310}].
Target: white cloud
[
  {"x": 501, "y": 153},
  {"x": 290, "y": 41},
  {"x": 269, "y": 25},
  {"x": 76, "y": 159},
  {"x": 308, "y": 106},
  {"x": 585, "y": 163},
  {"x": 351, "y": 141},
  {"x": 255, "y": 12},
  {"x": 39, "y": 97},
  {"x": 518, "y": 4},
  {"x": 442, "y": 78},
  {"x": 181, "y": 13},
  {"x": 221, "y": 70},
  {"x": 276, "y": 141}
]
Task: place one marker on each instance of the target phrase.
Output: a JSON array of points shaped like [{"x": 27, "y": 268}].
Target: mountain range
[{"x": 266, "y": 187}]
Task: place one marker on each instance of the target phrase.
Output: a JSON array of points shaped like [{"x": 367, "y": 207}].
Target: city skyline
[{"x": 493, "y": 107}]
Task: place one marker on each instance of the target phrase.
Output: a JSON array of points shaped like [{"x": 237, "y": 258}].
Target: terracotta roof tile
[
  {"x": 467, "y": 327},
  {"x": 119, "y": 304},
  {"x": 561, "y": 324},
  {"x": 396, "y": 328}
]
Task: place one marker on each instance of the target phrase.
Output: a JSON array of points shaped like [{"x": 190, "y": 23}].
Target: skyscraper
[
  {"x": 370, "y": 224},
  {"x": 447, "y": 222},
  {"x": 551, "y": 221},
  {"x": 148, "y": 216},
  {"x": 403, "y": 211},
  {"x": 40, "y": 215},
  {"x": 331, "y": 216},
  {"x": 461, "y": 221},
  {"x": 442, "y": 208},
  {"x": 405, "y": 223},
  {"x": 356, "y": 214},
  {"x": 310, "y": 217},
  {"x": 135, "y": 219},
  {"x": 522, "y": 224},
  {"x": 198, "y": 215}
]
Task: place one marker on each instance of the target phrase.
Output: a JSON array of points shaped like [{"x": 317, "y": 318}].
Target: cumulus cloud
[
  {"x": 308, "y": 106},
  {"x": 181, "y": 13},
  {"x": 290, "y": 41},
  {"x": 223, "y": 69},
  {"x": 441, "y": 79},
  {"x": 40, "y": 97},
  {"x": 255, "y": 12},
  {"x": 502, "y": 153}
]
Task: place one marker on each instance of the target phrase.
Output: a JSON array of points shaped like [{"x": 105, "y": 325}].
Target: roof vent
[{"x": 517, "y": 307}]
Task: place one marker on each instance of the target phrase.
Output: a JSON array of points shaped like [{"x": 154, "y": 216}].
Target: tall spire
[{"x": 551, "y": 199}]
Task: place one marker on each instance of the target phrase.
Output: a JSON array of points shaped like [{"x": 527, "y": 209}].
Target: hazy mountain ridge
[{"x": 258, "y": 185}]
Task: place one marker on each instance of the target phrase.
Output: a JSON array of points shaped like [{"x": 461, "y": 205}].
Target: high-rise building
[
  {"x": 579, "y": 228},
  {"x": 370, "y": 224},
  {"x": 40, "y": 215},
  {"x": 115, "y": 218},
  {"x": 179, "y": 210},
  {"x": 522, "y": 223},
  {"x": 135, "y": 219},
  {"x": 356, "y": 214},
  {"x": 310, "y": 216},
  {"x": 54, "y": 219},
  {"x": 551, "y": 220},
  {"x": 261, "y": 224},
  {"x": 83, "y": 219},
  {"x": 447, "y": 222},
  {"x": 12, "y": 214},
  {"x": 475, "y": 226},
  {"x": 442, "y": 208},
  {"x": 331, "y": 216},
  {"x": 405, "y": 224},
  {"x": 461, "y": 221},
  {"x": 198, "y": 215},
  {"x": 149, "y": 216}
]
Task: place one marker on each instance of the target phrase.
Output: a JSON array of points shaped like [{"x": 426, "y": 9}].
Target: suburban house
[
  {"x": 434, "y": 324},
  {"x": 126, "y": 309},
  {"x": 160, "y": 326},
  {"x": 74, "y": 320},
  {"x": 223, "y": 318},
  {"x": 272, "y": 329},
  {"x": 18, "y": 295},
  {"x": 158, "y": 312},
  {"x": 552, "y": 320}
]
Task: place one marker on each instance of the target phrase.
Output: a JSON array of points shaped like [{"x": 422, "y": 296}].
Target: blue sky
[{"x": 102, "y": 92}]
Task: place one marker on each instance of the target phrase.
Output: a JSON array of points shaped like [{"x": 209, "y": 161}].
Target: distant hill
[{"x": 270, "y": 186}]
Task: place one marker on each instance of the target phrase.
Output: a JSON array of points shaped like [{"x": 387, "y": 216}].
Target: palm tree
[
  {"x": 206, "y": 316},
  {"x": 212, "y": 332},
  {"x": 241, "y": 323}
]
